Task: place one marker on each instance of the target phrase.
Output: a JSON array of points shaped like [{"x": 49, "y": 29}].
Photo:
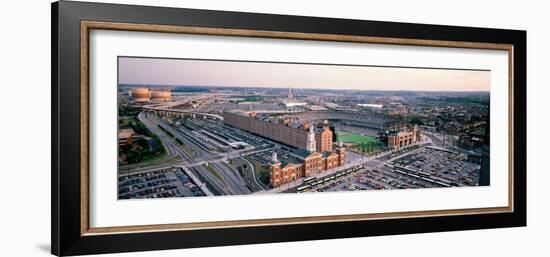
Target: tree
[
  {"x": 417, "y": 121},
  {"x": 363, "y": 147}
]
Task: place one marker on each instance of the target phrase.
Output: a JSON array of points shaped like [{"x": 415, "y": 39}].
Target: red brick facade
[
  {"x": 280, "y": 132},
  {"x": 403, "y": 138},
  {"x": 289, "y": 173},
  {"x": 312, "y": 165},
  {"x": 324, "y": 140}
]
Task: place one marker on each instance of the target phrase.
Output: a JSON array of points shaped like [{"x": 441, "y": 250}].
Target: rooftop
[{"x": 125, "y": 133}]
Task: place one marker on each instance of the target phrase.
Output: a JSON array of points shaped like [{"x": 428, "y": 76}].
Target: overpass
[
  {"x": 167, "y": 109},
  {"x": 178, "y": 112}
]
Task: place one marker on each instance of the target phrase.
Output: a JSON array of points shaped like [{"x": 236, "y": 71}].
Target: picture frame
[{"x": 72, "y": 23}]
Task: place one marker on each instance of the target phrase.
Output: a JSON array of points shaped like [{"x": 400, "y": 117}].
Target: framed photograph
[{"x": 178, "y": 128}]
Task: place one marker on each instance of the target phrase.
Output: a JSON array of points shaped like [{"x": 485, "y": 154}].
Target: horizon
[
  {"x": 248, "y": 74},
  {"x": 282, "y": 88}
]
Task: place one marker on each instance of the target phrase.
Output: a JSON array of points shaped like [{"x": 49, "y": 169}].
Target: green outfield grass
[
  {"x": 360, "y": 143},
  {"x": 352, "y": 138}
]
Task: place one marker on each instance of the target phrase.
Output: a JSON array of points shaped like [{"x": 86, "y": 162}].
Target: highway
[
  {"x": 173, "y": 149},
  {"x": 226, "y": 182},
  {"x": 201, "y": 154},
  {"x": 197, "y": 155},
  {"x": 168, "y": 107}
]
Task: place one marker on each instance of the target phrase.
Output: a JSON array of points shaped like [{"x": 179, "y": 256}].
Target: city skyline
[{"x": 214, "y": 73}]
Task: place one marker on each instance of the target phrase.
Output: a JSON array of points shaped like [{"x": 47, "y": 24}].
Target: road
[
  {"x": 233, "y": 182},
  {"x": 253, "y": 171},
  {"x": 226, "y": 182},
  {"x": 172, "y": 150},
  {"x": 221, "y": 177}
]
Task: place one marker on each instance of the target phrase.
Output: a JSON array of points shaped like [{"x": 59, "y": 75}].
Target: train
[
  {"x": 311, "y": 182},
  {"x": 418, "y": 174}
]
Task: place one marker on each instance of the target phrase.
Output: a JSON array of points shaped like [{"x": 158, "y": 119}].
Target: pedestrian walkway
[{"x": 197, "y": 181}]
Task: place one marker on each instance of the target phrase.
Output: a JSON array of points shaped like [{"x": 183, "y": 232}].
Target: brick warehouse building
[{"x": 282, "y": 133}]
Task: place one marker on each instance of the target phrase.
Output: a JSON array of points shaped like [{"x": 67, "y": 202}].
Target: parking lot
[
  {"x": 172, "y": 182},
  {"x": 422, "y": 168},
  {"x": 449, "y": 167}
]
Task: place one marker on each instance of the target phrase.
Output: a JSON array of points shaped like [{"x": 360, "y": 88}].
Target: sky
[{"x": 158, "y": 71}]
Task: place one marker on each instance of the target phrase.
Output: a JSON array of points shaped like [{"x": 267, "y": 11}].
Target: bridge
[
  {"x": 161, "y": 111},
  {"x": 167, "y": 109}
]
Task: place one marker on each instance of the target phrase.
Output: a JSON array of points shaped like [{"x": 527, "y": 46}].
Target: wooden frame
[{"x": 71, "y": 24}]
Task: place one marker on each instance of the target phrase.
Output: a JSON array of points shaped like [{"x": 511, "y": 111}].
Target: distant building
[
  {"x": 467, "y": 140},
  {"x": 404, "y": 137},
  {"x": 140, "y": 94},
  {"x": 143, "y": 94},
  {"x": 376, "y": 106},
  {"x": 125, "y": 136},
  {"x": 161, "y": 96},
  {"x": 291, "y": 103},
  {"x": 427, "y": 128}
]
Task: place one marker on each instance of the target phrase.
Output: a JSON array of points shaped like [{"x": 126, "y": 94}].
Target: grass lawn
[
  {"x": 160, "y": 159},
  {"x": 213, "y": 171},
  {"x": 262, "y": 173},
  {"x": 352, "y": 138},
  {"x": 185, "y": 148}
]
